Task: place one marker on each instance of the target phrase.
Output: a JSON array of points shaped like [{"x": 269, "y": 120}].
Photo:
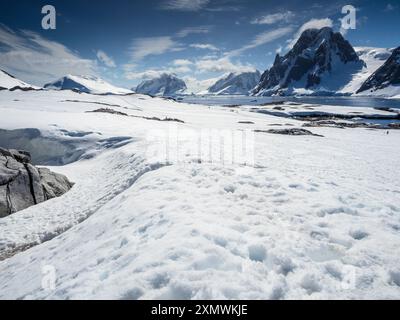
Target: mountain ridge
[
  {"x": 165, "y": 84},
  {"x": 239, "y": 83},
  {"x": 317, "y": 54}
]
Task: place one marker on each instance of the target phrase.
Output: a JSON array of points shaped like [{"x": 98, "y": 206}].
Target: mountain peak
[
  {"x": 305, "y": 65},
  {"x": 165, "y": 84}
]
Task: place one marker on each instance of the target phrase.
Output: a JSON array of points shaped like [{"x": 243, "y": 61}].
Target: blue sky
[{"x": 125, "y": 41}]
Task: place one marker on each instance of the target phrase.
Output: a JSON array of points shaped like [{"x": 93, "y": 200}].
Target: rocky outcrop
[
  {"x": 312, "y": 57},
  {"x": 290, "y": 132},
  {"x": 385, "y": 76},
  {"x": 23, "y": 185}
]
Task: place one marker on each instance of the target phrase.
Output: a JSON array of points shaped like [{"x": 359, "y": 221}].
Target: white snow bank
[
  {"x": 8, "y": 81},
  {"x": 315, "y": 219}
]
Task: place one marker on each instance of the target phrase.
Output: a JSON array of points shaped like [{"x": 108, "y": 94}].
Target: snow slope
[
  {"x": 385, "y": 81},
  {"x": 8, "y": 81},
  {"x": 373, "y": 58},
  {"x": 312, "y": 218},
  {"x": 87, "y": 84}
]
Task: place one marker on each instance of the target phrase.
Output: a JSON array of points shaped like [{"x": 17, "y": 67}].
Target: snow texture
[{"x": 314, "y": 218}]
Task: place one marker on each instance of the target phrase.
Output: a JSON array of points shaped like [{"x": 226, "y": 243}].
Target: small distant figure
[{"x": 387, "y": 132}]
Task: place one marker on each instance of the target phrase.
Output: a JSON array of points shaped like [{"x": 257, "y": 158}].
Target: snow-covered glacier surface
[{"x": 312, "y": 218}]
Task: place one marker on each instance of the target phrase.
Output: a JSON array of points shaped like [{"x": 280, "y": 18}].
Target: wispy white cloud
[
  {"x": 144, "y": 75},
  {"x": 391, "y": 7},
  {"x": 261, "y": 39},
  {"x": 193, "y": 30},
  {"x": 204, "y": 46},
  {"x": 38, "y": 60},
  {"x": 311, "y": 24},
  {"x": 143, "y": 47},
  {"x": 105, "y": 59},
  {"x": 274, "y": 18},
  {"x": 182, "y": 62},
  {"x": 184, "y": 5},
  {"x": 221, "y": 65}
]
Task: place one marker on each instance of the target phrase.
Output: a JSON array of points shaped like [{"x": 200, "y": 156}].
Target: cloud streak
[
  {"x": 274, "y": 18},
  {"x": 193, "y": 30},
  {"x": 204, "y": 46},
  {"x": 184, "y": 5},
  {"x": 37, "y": 60},
  {"x": 261, "y": 39},
  {"x": 311, "y": 24},
  {"x": 105, "y": 59},
  {"x": 143, "y": 47}
]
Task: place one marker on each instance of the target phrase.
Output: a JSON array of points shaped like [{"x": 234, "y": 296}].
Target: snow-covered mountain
[
  {"x": 163, "y": 85},
  {"x": 373, "y": 59},
  {"x": 235, "y": 83},
  {"x": 385, "y": 81},
  {"x": 321, "y": 62},
  {"x": 7, "y": 82},
  {"x": 87, "y": 84}
]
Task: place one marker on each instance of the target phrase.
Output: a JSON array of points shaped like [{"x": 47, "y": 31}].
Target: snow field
[{"x": 315, "y": 218}]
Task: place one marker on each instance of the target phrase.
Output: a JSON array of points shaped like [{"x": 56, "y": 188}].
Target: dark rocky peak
[{"x": 312, "y": 55}]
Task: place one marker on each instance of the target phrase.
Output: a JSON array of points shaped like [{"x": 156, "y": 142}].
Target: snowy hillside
[
  {"x": 373, "y": 58},
  {"x": 8, "y": 81},
  {"x": 385, "y": 81},
  {"x": 163, "y": 85},
  {"x": 310, "y": 217},
  {"x": 87, "y": 84},
  {"x": 235, "y": 84}
]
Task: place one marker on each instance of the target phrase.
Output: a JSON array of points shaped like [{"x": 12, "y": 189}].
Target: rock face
[
  {"x": 236, "y": 84},
  {"x": 164, "y": 85},
  {"x": 23, "y": 185},
  {"x": 385, "y": 76},
  {"x": 316, "y": 54}
]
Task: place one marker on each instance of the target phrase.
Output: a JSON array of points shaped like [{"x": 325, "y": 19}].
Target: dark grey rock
[
  {"x": 290, "y": 132},
  {"x": 23, "y": 185}
]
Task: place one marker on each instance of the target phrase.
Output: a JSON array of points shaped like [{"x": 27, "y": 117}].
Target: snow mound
[
  {"x": 7, "y": 81},
  {"x": 86, "y": 84}
]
